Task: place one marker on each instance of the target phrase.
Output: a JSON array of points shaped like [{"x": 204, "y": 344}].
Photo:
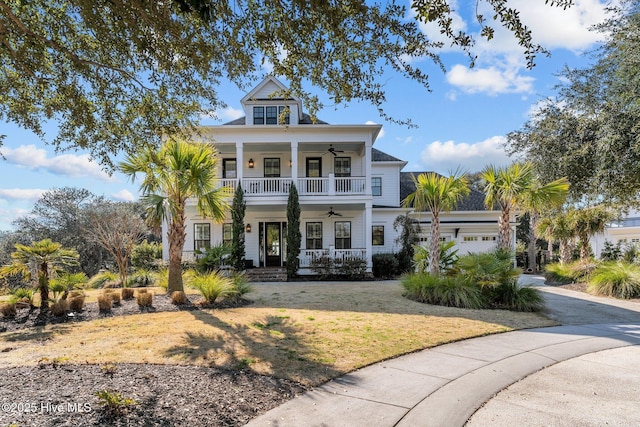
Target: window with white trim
[
  {"x": 343, "y": 234},
  {"x": 376, "y": 186},
  {"x": 377, "y": 235},
  {"x": 201, "y": 236}
]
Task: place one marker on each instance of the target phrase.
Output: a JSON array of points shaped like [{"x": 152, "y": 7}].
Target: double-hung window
[
  {"x": 314, "y": 235},
  {"x": 201, "y": 236},
  {"x": 343, "y": 234}
]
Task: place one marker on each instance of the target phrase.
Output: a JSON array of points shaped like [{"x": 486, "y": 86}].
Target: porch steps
[{"x": 266, "y": 274}]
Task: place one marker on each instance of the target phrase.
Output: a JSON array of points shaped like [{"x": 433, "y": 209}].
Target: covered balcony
[{"x": 324, "y": 186}]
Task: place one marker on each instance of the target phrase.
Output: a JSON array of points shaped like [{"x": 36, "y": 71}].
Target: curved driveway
[{"x": 586, "y": 372}]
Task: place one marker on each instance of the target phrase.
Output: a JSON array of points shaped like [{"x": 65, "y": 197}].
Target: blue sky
[{"x": 462, "y": 122}]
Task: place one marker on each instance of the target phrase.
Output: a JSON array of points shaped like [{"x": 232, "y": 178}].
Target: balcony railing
[
  {"x": 309, "y": 256},
  {"x": 327, "y": 186}
]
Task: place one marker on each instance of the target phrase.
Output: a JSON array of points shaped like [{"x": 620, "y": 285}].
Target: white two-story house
[{"x": 349, "y": 192}]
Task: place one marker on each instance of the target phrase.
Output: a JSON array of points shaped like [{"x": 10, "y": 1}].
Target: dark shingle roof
[
  {"x": 380, "y": 156},
  {"x": 305, "y": 120},
  {"x": 473, "y": 202}
]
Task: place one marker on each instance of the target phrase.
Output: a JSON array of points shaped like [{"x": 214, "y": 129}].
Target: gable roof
[
  {"x": 473, "y": 202},
  {"x": 380, "y": 156}
]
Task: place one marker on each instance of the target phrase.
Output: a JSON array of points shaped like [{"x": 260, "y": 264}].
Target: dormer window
[{"x": 269, "y": 115}]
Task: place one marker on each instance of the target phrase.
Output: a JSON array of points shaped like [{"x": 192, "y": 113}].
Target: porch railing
[
  {"x": 326, "y": 186},
  {"x": 309, "y": 256}
]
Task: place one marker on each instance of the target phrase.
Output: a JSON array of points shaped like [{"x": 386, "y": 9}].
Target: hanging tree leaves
[{"x": 115, "y": 75}]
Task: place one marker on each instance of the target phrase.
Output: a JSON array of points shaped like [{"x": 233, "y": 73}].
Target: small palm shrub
[
  {"x": 144, "y": 299},
  {"x": 22, "y": 297},
  {"x": 510, "y": 296},
  {"x": 127, "y": 293},
  {"x": 385, "y": 266},
  {"x": 104, "y": 279},
  {"x": 8, "y": 310},
  {"x": 211, "y": 285},
  {"x": 141, "y": 278},
  {"x": 615, "y": 279},
  {"x": 452, "y": 291},
  {"x": 448, "y": 257},
  {"x": 59, "y": 308},
  {"x": 213, "y": 258},
  {"x": 488, "y": 269},
  {"x": 104, "y": 302},
  {"x": 178, "y": 298}
]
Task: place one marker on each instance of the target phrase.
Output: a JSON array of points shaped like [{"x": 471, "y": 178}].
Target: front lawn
[{"x": 307, "y": 332}]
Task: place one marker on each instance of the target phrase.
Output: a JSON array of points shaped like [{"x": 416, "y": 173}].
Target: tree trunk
[
  {"x": 504, "y": 236},
  {"x": 533, "y": 219},
  {"x": 584, "y": 248},
  {"x": 43, "y": 286},
  {"x": 565, "y": 251},
  {"x": 177, "y": 237},
  {"x": 434, "y": 245}
]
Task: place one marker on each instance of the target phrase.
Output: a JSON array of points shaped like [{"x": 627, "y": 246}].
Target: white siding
[{"x": 390, "y": 174}]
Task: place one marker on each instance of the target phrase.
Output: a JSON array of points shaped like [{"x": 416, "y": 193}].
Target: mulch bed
[{"x": 64, "y": 395}]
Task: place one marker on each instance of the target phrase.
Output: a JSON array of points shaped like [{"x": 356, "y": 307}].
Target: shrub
[
  {"x": 76, "y": 302},
  {"x": 127, "y": 293},
  {"x": 611, "y": 252},
  {"x": 59, "y": 308},
  {"x": 104, "y": 279},
  {"x": 488, "y": 269},
  {"x": 178, "y": 298},
  {"x": 140, "y": 278},
  {"x": 448, "y": 257},
  {"x": 145, "y": 255},
  {"x": 104, "y": 302},
  {"x": 385, "y": 266},
  {"x": 8, "y": 310},
  {"x": 449, "y": 291},
  {"x": 240, "y": 286},
  {"x": 213, "y": 258},
  {"x": 352, "y": 268},
  {"x": 578, "y": 271},
  {"x": 615, "y": 279},
  {"x": 211, "y": 285},
  {"x": 115, "y": 297},
  {"x": 22, "y": 297},
  {"x": 144, "y": 299},
  {"x": 114, "y": 403},
  {"x": 512, "y": 297},
  {"x": 322, "y": 266}
]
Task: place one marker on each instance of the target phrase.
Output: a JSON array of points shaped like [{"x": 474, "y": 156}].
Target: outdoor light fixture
[
  {"x": 251, "y": 164},
  {"x": 290, "y": 162},
  {"x": 248, "y": 228}
]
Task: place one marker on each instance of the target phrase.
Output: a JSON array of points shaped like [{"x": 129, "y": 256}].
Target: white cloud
[
  {"x": 381, "y": 134},
  {"x": 7, "y": 216},
  {"x": 230, "y": 113},
  {"x": 492, "y": 80},
  {"x": 33, "y": 158},
  {"x": 124, "y": 195},
  {"x": 29, "y": 194},
  {"x": 448, "y": 156},
  {"x": 405, "y": 140}
]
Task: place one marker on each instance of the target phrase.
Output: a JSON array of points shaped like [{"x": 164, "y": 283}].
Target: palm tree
[
  {"x": 178, "y": 171},
  {"x": 506, "y": 188},
  {"x": 436, "y": 193},
  {"x": 539, "y": 198},
  {"x": 44, "y": 258},
  {"x": 559, "y": 228},
  {"x": 588, "y": 222}
]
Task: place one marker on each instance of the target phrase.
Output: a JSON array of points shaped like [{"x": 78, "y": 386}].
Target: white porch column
[
  {"x": 294, "y": 162},
  {"x": 240, "y": 161},
  {"x": 368, "y": 223},
  {"x": 367, "y": 166}
]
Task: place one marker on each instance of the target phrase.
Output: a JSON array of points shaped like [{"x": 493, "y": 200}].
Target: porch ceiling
[{"x": 318, "y": 148}]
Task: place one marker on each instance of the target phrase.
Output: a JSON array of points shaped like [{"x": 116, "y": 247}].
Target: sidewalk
[{"x": 445, "y": 385}]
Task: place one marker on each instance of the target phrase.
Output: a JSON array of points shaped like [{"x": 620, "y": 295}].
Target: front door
[{"x": 273, "y": 244}]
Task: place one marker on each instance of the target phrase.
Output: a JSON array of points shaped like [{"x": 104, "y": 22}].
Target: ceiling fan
[
  {"x": 332, "y": 213},
  {"x": 333, "y": 150}
]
